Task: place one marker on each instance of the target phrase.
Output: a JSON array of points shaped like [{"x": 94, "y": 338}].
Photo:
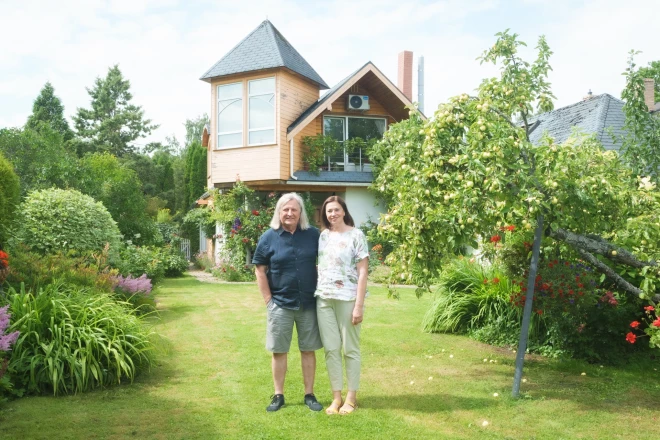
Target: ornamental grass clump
[
  {"x": 468, "y": 296},
  {"x": 73, "y": 339}
]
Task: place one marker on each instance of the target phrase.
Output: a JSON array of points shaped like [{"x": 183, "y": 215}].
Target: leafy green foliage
[
  {"x": 56, "y": 220},
  {"x": 73, "y": 340},
  {"x": 9, "y": 196},
  {"x": 36, "y": 271},
  {"x": 318, "y": 148},
  {"x": 195, "y": 128},
  {"x": 195, "y": 172},
  {"x": 40, "y": 157},
  {"x": 470, "y": 170},
  {"x": 641, "y": 143},
  {"x": 468, "y": 296},
  {"x": 113, "y": 122},
  {"x": 119, "y": 188},
  {"x": 155, "y": 262},
  {"x": 48, "y": 109}
]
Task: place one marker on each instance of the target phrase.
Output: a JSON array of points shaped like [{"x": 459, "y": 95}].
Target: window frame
[
  {"x": 218, "y": 111},
  {"x": 247, "y": 121},
  {"x": 346, "y": 123}
]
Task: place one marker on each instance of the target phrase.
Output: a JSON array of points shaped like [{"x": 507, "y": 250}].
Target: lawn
[{"x": 213, "y": 381}]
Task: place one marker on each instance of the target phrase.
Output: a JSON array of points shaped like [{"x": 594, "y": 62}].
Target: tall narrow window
[
  {"x": 230, "y": 115},
  {"x": 261, "y": 111}
]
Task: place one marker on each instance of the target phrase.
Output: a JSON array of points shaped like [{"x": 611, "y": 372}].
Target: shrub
[
  {"x": 35, "y": 271},
  {"x": 73, "y": 339},
  {"x": 228, "y": 270},
  {"x": 155, "y": 262},
  {"x": 55, "y": 220},
  {"x": 9, "y": 196},
  {"x": 203, "y": 261}
]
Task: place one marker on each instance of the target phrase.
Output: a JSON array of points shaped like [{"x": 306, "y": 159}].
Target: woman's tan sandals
[
  {"x": 348, "y": 408},
  {"x": 333, "y": 409}
]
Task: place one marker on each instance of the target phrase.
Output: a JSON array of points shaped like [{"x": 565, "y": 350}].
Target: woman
[{"x": 343, "y": 265}]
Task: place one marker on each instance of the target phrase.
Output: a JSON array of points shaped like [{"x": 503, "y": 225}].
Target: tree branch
[
  {"x": 611, "y": 275},
  {"x": 597, "y": 245}
]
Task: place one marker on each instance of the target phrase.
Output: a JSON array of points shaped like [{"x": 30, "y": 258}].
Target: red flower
[
  {"x": 509, "y": 228},
  {"x": 540, "y": 312},
  {"x": 649, "y": 308},
  {"x": 485, "y": 280},
  {"x": 630, "y": 337},
  {"x": 496, "y": 280},
  {"x": 255, "y": 212},
  {"x": 495, "y": 238},
  {"x": 245, "y": 240},
  {"x": 634, "y": 324},
  {"x": 656, "y": 323},
  {"x": 3, "y": 255}
]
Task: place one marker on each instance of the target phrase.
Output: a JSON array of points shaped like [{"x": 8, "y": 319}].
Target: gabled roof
[
  {"x": 331, "y": 95},
  {"x": 264, "y": 48},
  {"x": 595, "y": 115}
]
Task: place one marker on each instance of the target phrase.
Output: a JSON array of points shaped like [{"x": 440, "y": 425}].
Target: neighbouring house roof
[
  {"x": 340, "y": 88},
  {"x": 264, "y": 48},
  {"x": 333, "y": 176},
  {"x": 596, "y": 115}
]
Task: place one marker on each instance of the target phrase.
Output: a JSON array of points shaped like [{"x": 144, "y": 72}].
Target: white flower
[
  {"x": 524, "y": 380},
  {"x": 485, "y": 360},
  {"x": 412, "y": 382},
  {"x": 583, "y": 374},
  {"x": 495, "y": 394},
  {"x": 412, "y": 366},
  {"x": 485, "y": 423},
  {"x": 430, "y": 377},
  {"x": 451, "y": 356}
]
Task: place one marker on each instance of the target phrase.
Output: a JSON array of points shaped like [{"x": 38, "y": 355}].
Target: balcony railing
[{"x": 356, "y": 161}]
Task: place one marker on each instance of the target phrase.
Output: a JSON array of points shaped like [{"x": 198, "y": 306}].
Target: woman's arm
[{"x": 363, "y": 273}]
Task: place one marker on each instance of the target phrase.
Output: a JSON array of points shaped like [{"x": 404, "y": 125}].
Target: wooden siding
[
  {"x": 339, "y": 109},
  {"x": 295, "y": 95},
  {"x": 254, "y": 163}
]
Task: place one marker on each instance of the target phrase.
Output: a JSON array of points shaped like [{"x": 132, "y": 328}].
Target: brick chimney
[
  {"x": 649, "y": 92},
  {"x": 405, "y": 78}
]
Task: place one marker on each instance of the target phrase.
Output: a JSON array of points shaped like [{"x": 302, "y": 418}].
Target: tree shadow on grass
[
  {"x": 607, "y": 389},
  {"x": 427, "y": 403}
]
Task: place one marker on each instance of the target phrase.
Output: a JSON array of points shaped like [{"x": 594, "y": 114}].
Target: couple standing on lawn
[{"x": 327, "y": 308}]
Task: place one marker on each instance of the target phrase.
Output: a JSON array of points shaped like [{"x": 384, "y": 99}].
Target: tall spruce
[
  {"x": 48, "y": 109},
  {"x": 112, "y": 123}
]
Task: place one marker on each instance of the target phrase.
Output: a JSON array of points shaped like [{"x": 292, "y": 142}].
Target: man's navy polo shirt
[{"x": 291, "y": 261}]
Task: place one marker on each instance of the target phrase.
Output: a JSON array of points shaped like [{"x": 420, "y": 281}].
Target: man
[{"x": 285, "y": 261}]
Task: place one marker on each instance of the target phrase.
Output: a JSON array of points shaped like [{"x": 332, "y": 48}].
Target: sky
[{"x": 163, "y": 47}]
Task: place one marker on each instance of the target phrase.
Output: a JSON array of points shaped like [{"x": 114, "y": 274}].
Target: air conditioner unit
[{"x": 358, "y": 102}]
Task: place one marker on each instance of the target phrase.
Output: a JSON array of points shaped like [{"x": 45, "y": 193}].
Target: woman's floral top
[{"x": 339, "y": 253}]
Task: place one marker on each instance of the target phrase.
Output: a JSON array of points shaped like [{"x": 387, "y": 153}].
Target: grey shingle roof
[
  {"x": 264, "y": 48},
  {"x": 592, "y": 116},
  {"x": 322, "y": 99},
  {"x": 334, "y": 176}
]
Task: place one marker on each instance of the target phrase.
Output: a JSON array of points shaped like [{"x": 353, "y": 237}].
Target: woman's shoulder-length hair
[
  {"x": 286, "y": 198},
  {"x": 347, "y": 217}
]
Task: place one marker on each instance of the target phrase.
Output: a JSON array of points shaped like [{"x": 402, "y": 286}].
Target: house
[{"x": 266, "y": 98}]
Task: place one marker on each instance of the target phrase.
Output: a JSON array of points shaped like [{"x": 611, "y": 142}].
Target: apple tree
[{"x": 472, "y": 169}]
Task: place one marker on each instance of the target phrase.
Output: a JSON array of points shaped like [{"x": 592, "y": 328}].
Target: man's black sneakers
[
  {"x": 311, "y": 402},
  {"x": 276, "y": 403}
]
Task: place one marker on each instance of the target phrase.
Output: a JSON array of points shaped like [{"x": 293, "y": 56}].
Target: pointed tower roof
[{"x": 264, "y": 48}]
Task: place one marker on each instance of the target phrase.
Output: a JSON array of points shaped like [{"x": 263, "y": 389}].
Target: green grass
[{"x": 212, "y": 381}]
